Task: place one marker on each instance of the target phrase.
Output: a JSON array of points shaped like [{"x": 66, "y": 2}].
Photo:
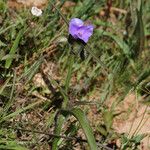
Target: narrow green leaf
[
  {"x": 17, "y": 112},
  {"x": 144, "y": 75},
  {"x": 138, "y": 138},
  {"x": 85, "y": 9},
  {"x": 58, "y": 128},
  {"x": 51, "y": 118},
  {"x": 102, "y": 130},
  {"x": 12, "y": 97},
  {"x": 10, "y": 145},
  {"x": 30, "y": 72},
  {"x": 4, "y": 86},
  {"x": 80, "y": 116},
  {"x": 14, "y": 48},
  {"x": 125, "y": 48},
  {"x": 10, "y": 56},
  {"x": 138, "y": 34},
  {"x": 3, "y": 30},
  {"x": 108, "y": 119},
  {"x": 71, "y": 61}
]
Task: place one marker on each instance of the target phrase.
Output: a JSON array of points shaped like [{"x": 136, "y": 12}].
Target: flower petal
[
  {"x": 74, "y": 25},
  {"x": 76, "y": 21},
  {"x": 85, "y": 32},
  {"x": 36, "y": 12}
]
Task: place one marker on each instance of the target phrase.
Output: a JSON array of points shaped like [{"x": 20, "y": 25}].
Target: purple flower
[{"x": 79, "y": 30}]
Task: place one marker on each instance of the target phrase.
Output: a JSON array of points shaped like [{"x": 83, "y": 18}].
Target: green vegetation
[{"x": 48, "y": 92}]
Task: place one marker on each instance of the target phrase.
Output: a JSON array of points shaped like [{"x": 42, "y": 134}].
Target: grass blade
[
  {"x": 30, "y": 72},
  {"x": 20, "y": 111},
  {"x": 14, "y": 48},
  {"x": 138, "y": 35},
  {"x": 57, "y": 132}
]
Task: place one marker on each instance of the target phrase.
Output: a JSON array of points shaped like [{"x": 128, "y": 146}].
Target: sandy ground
[
  {"x": 133, "y": 114},
  {"x": 26, "y": 3}
]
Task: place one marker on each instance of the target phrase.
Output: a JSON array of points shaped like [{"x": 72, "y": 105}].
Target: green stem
[
  {"x": 70, "y": 68},
  {"x": 68, "y": 78}
]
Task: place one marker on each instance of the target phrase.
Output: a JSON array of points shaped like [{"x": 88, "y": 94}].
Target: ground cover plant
[{"x": 66, "y": 71}]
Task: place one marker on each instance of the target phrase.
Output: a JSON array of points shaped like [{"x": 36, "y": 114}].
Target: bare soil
[{"x": 26, "y": 3}]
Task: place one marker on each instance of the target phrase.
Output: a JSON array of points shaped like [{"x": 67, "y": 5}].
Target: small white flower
[{"x": 36, "y": 11}]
